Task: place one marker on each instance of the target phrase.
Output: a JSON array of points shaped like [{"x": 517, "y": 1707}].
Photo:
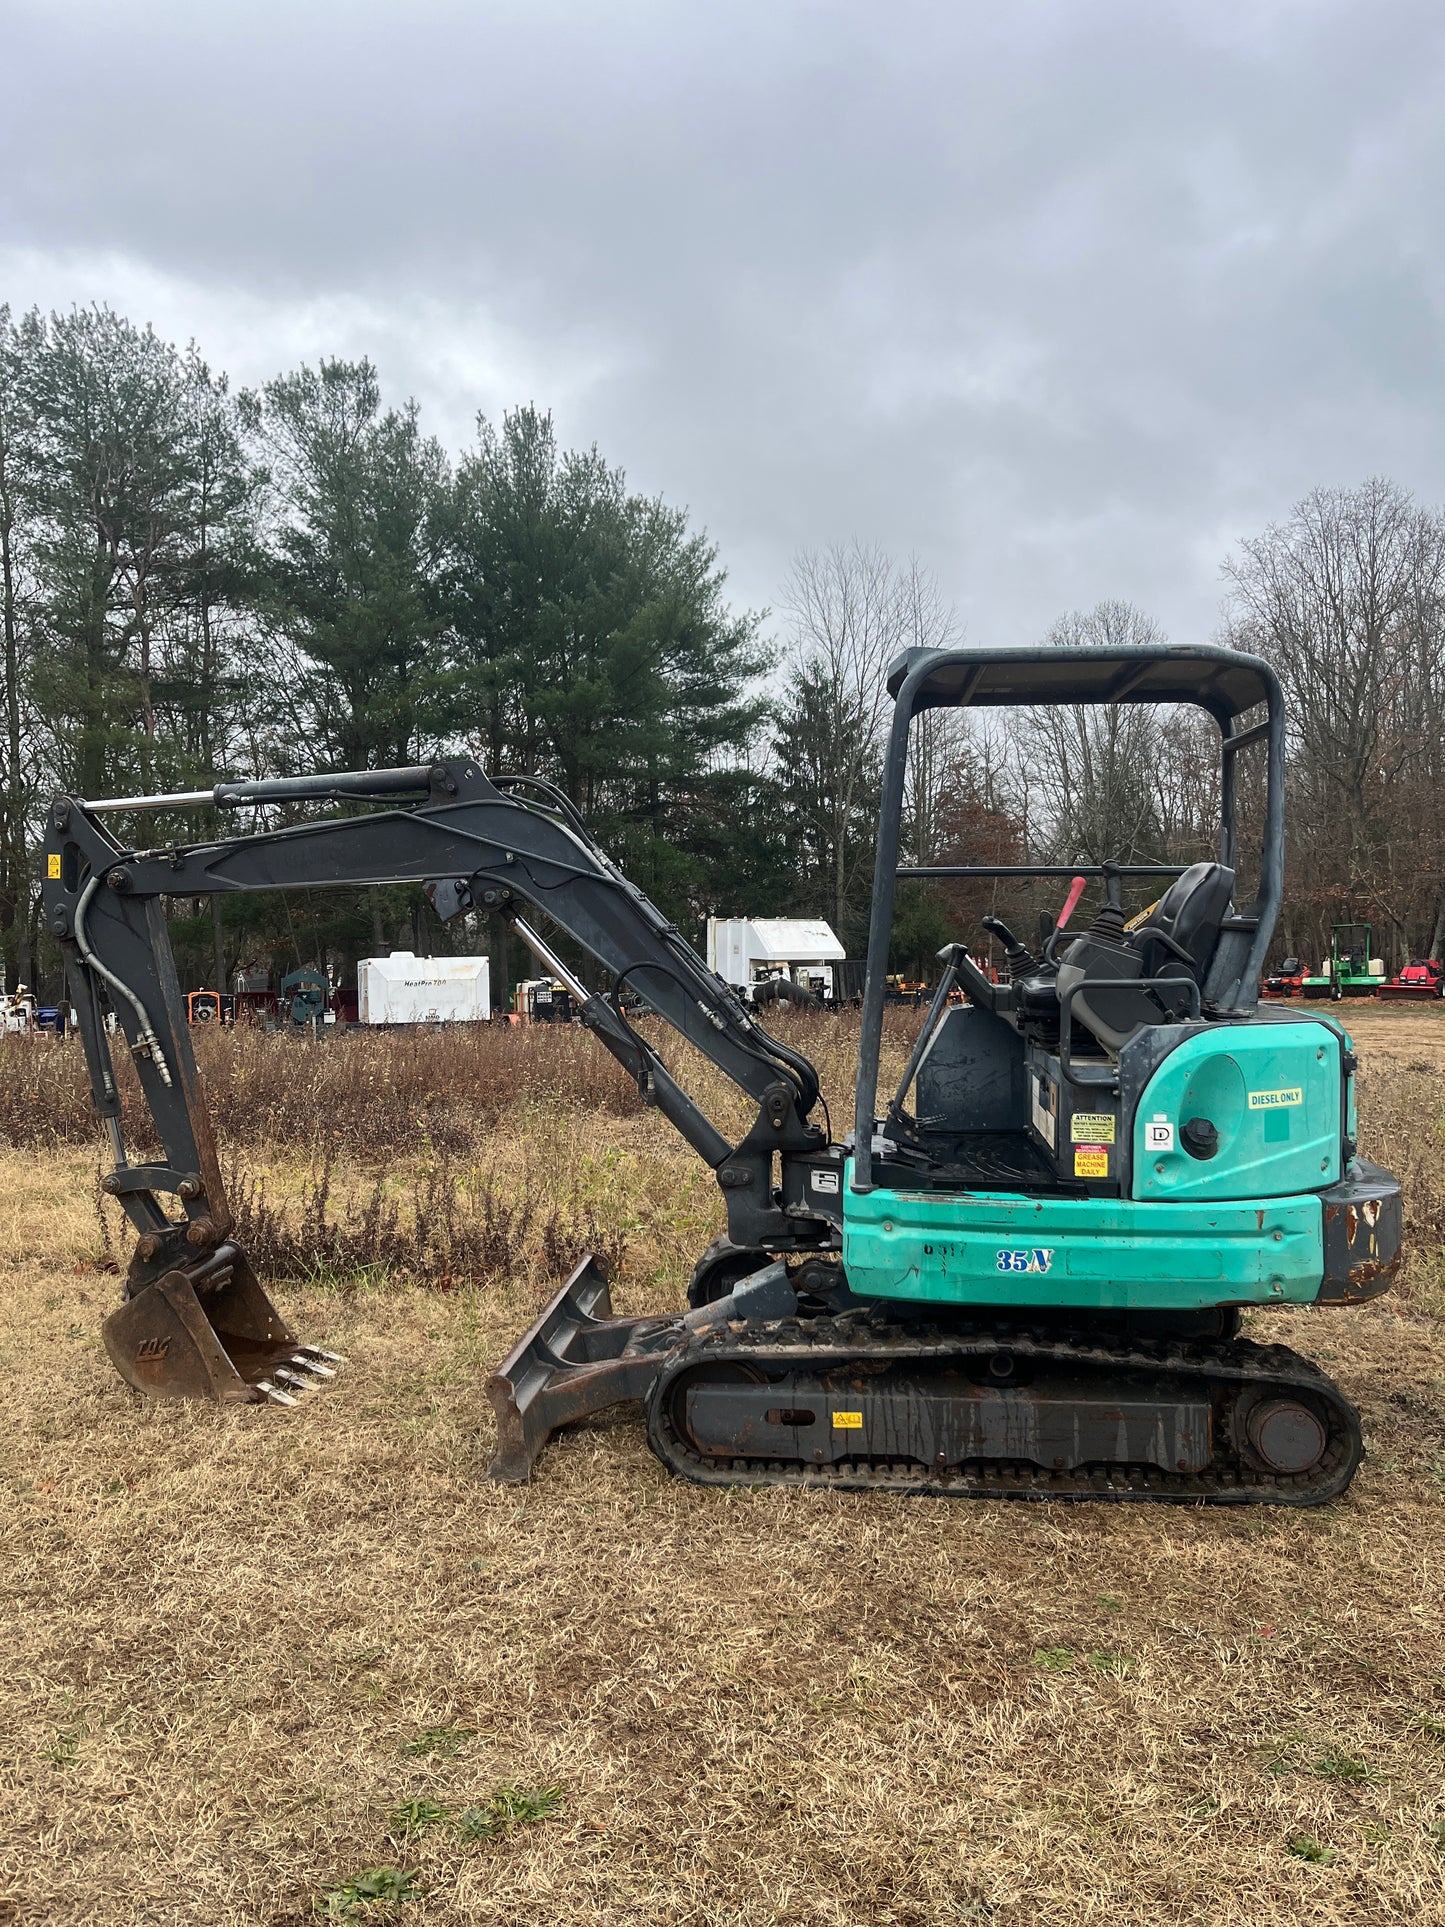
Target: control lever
[
  {"x": 1018, "y": 959},
  {"x": 1071, "y": 903},
  {"x": 979, "y": 989},
  {"x": 948, "y": 957}
]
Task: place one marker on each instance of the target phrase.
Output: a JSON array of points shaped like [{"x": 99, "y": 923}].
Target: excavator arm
[{"x": 513, "y": 847}]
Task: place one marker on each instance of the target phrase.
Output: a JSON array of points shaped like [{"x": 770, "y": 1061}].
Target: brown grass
[
  {"x": 236, "y": 1643},
  {"x": 370, "y": 1092}
]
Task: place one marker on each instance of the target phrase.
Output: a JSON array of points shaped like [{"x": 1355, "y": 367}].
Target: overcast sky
[{"x": 1065, "y": 297}]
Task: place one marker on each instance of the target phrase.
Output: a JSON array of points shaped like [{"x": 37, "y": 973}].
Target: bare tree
[
  {"x": 927, "y": 621},
  {"x": 19, "y": 595},
  {"x": 1347, "y": 600},
  {"x": 1094, "y": 767},
  {"x": 851, "y": 610},
  {"x": 1186, "y": 784}
]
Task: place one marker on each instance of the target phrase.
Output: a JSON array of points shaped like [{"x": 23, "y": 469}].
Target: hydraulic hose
[{"x": 147, "y": 1034}]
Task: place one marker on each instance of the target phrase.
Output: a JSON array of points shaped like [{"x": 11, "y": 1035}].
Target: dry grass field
[{"x": 252, "y": 1658}]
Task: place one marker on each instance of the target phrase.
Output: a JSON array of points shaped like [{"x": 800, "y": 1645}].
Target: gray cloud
[{"x": 1065, "y": 296}]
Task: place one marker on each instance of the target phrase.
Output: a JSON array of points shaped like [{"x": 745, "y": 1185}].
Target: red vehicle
[
  {"x": 1419, "y": 982},
  {"x": 1286, "y": 981}
]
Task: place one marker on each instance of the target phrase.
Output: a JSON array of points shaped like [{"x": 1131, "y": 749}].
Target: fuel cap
[{"x": 1199, "y": 1138}]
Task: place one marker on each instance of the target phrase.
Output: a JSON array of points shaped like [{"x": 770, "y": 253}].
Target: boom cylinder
[{"x": 412, "y": 781}]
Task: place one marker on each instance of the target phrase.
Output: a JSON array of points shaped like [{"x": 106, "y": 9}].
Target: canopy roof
[{"x": 1223, "y": 681}]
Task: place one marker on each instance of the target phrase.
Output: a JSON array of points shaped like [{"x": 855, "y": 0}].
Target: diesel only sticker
[
  {"x": 1091, "y": 1127},
  {"x": 1275, "y": 1100},
  {"x": 1091, "y": 1161}
]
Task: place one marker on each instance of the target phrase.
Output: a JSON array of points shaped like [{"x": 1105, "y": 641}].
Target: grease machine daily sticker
[{"x": 1091, "y": 1161}]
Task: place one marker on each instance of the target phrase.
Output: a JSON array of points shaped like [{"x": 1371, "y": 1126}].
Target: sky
[{"x": 1064, "y": 297}]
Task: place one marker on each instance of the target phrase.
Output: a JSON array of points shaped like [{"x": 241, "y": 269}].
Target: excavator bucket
[
  {"x": 209, "y": 1331},
  {"x": 575, "y": 1360}
]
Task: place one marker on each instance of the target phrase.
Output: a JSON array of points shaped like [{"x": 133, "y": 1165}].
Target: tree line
[
  {"x": 201, "y": 584},
  {"x": 1345, "y": 598}
]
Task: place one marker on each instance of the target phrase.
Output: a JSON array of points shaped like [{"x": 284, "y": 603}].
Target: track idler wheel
[{"x": 1287, "y": 1435}]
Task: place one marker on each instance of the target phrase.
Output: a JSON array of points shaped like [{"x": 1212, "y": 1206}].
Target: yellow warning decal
[
  {"x": 1275, "y": 1100},
  {"x": 52, "y": 866},
  {"x": 1091, "y": 1127},
  {"x": 1091, "y": 1161},
  {"x": 847, "y": 1421}
]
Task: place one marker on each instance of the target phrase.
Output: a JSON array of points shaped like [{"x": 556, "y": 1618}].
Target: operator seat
[
  {"x": 1190, "y": 911},
  {"x": 1177, "y": 939}
]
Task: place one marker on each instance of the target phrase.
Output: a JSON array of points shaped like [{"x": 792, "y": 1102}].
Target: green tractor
[{"x": 1351, "y": 970}]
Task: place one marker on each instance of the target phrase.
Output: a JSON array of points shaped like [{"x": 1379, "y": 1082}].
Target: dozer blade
[
  {"x": 576, "y": 1359},
  {"x": 209, "y": 1331}
]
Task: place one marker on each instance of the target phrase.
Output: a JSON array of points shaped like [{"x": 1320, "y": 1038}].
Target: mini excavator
[{"x": 1021, "y": 1275}]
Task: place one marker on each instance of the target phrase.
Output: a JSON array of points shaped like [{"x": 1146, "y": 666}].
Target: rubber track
[{"x": 821, "y": 1345}]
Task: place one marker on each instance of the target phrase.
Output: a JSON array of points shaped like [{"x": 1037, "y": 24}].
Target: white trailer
[
  {"x": 405, "y": 989},
  {"x": 748, "y": 951}
]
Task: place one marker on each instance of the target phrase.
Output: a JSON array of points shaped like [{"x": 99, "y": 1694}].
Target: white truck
[
  {"x": 406, "y": 989},
  {"x": 748, "y": 952}
]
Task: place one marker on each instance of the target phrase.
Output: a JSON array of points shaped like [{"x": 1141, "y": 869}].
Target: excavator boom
[{"x": 195, "y": 1317}]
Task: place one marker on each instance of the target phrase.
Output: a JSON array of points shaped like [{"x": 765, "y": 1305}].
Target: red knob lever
[{"x": 1076, "y": 890}]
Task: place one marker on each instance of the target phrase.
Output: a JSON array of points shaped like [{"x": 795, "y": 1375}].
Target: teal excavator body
[
  {"x": 1020, "y": 1275},
  {"x": 1162, "y": 1215}
]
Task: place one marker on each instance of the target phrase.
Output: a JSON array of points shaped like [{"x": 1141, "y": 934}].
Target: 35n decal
[{"x": 1038, "y": 1258}]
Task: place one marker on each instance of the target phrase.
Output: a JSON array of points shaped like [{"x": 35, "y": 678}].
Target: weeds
[
  {"x": 1304, "y": 1846},
  {"x": 1340, "y": 1766},
  {"x": 1344, "y": 1767},
  {"x": 363, "y": 1093},
  {"x": 443, "y": 1742},
  {"x": 453, "y": 1226},
  {"x": 415, "y": 1816},
  {"x": 509, "y": 1807},
  {"x": 1112, "y": 1665},
  {"x": 1054, "y": 1659},
  {"x": 1060, "y": 1659},
  {"x": 64, "y": 1748},
  {"x": 370, "y": 1892}
]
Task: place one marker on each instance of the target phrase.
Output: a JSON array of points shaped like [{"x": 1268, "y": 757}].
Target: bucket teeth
[
  {"x": 288, "y": 1377},
  {"x": 300, "y": 1374},
  {"x": 316, "y": 1351}
]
